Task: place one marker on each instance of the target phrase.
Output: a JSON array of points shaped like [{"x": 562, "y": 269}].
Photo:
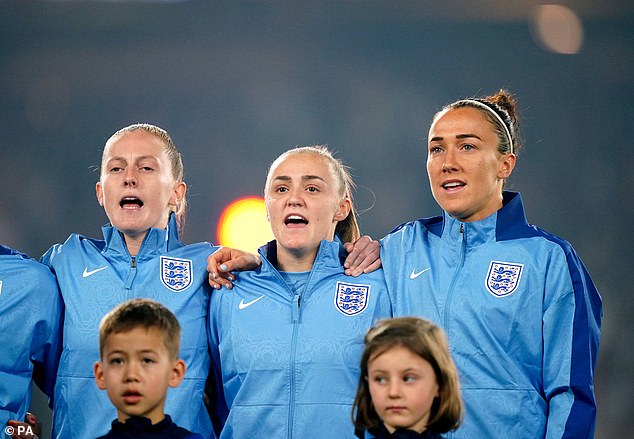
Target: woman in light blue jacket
[
  {"x": 286, "y": 342},
  {"x": 521, "y": 313},
  {"x": 142, "y": 191}
]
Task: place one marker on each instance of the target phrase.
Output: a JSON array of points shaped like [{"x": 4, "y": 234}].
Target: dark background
[{"x": 236, "y": 83}]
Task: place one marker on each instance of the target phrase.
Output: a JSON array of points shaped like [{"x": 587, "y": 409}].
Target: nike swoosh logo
[
  {"x": 414, "y": 274},
  {"x": 243, "y": 305},
  {"x": 87, "y": 273}
]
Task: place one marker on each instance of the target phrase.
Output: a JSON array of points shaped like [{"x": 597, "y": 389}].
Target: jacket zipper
[
  {"x": 131, "y": 274},
  {"x": 454, "y": 279},
  {"x": 291, "y": 407}
]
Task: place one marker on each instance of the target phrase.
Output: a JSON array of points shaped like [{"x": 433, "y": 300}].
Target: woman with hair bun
[{"x": 521, "y": 313}]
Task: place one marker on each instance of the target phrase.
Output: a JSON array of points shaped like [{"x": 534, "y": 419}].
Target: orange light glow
[{"x": 243, "y": 225}]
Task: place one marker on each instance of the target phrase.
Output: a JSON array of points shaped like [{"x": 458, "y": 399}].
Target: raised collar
[
  {"x": 507, "y": 223},
  {"x": 156, "y": 241},
  {"x": 329, "y": 255}
]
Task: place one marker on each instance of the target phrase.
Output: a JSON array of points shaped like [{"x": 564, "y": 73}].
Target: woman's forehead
[
  {"x": 302, "y": 163},
  {"x": 135, "y": 142}
]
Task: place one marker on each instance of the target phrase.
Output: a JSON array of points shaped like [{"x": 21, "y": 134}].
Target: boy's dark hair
[
  {"x": 144, "y": 313},
  {"x": 429, "y": 342}
]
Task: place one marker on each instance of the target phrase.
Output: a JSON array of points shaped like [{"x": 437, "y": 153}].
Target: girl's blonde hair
[{"x": 429, "y": 342}]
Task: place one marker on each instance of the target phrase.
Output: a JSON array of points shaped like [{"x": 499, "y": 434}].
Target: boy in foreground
[{"x": 139, "y": 342}]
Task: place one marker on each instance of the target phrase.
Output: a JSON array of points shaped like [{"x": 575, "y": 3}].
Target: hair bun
[{"x": 504, "y": 100}]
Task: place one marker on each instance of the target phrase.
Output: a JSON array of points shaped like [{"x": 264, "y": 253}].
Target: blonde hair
[
  {"x": 348, "y": 228},
  {"x": 429, "y": 342},
  {"x": 173, "y": 154}
]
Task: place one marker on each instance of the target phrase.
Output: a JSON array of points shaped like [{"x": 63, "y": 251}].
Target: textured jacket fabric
[
  {"x": 289, "y": 362},
  {"x": 142, "y": 428},
  {"x": 522, "y": 316},
  {"x": 94, "y": 276},
  {"x": 30, "y": 332}
]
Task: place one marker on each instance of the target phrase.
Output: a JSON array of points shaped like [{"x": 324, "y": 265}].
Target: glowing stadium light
[
  {"x": 243, "y": 224},
  {"x": 557, "y": 28}
]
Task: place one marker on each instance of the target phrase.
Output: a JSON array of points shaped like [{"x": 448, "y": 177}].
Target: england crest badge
[
  {"x": 503, "y": 278},
  {"x": 351, "y": 299},
  {"x": 176, "y": 274}
]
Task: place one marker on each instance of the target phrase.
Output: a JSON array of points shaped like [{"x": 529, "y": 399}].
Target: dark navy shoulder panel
[
  {"x": 9, "y": 251},
  {"x": 434, "y": 224}
]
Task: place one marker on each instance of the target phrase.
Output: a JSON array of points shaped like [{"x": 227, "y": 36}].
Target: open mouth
[
  {"x": 294, "y": 219},
  {"x": 453, "y": 185},
  {"x": 131, "y": 203}
]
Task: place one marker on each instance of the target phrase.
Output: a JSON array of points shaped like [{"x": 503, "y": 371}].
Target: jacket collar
[
  {"x": 327, "y": 261},
  {"x": 156, "y": 241},
  {"x": 507, "y": 223},
  {"x": 329, "y": 255}
]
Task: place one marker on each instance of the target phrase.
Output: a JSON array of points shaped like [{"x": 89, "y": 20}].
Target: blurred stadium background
[{"x": 236, "y": 83}]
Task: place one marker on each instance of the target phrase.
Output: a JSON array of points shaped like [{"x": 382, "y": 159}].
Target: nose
[
  {"x": 449, "y": 163},
  {"x": 295, "y": 197},
  {"x": 130, "y": 178},
  {"x": 394, "y": 389},
  {"x": 131, "y": 372}
]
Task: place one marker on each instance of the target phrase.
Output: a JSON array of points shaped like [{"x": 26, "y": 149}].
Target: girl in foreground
[{"x": 409, "y": 384}]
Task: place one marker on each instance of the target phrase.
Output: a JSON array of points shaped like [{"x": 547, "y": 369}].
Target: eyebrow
[
  {"x": 304, "y": 178},
  {"x": 143, "y": 157},
  {"x": 459, "y": 136},
  {"x": 409, "y": 369},
  {"x": 126, "y": 353}
]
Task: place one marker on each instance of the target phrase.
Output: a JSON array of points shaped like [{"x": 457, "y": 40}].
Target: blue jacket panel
[
  {"x": 96, "y": 275},
  {"x": 288, "y": 362},
  {"x": 521, "y": 313},
  {"x": 30, "y": 331}
]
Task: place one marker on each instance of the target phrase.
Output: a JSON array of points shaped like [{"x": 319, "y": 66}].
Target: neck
[
  {"x": 295, "y": 260},
  {"x": 133, "y": 243}
]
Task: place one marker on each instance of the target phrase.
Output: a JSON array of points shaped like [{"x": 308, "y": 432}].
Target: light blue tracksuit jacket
[
  {"x": 522, "y": 316},
  {"x": 30, "y": 332},
  {"x": 287, "y": 362},
  {"x": 94, "y": 276}
]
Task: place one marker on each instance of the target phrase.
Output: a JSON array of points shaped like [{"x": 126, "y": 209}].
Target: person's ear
[
  {"x": 98, "y": 371},
  {"x": 343, "y": 210},
  {"x": 178, "y": 373},
  {"x": 99, "y": 193},
  {"x": 178, "y": 194},
  {"x": 507, "y": 165}
]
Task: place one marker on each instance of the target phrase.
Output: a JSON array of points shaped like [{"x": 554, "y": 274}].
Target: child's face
[
  {"x": 137, "y": 188},
  {"x": 403, "y": 387},
  {"x": 136, "y": 370}
]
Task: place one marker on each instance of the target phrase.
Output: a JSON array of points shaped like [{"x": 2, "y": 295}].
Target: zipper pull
[
  {"x": 296, "y": 303},
  {"x": 131, "y": 274}
]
